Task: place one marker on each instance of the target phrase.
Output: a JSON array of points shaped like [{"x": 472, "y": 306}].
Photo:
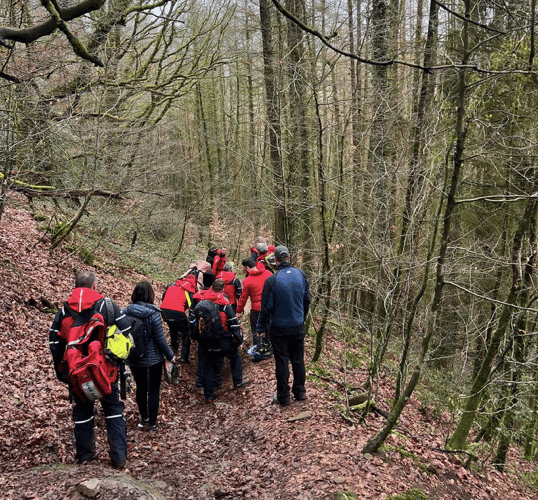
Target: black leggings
[{"x": 148, "y": 386}]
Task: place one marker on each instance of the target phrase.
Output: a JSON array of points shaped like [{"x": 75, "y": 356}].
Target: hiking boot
[
  {"x": 87, "y": 460},
  {"x": 122, "y": 464},
  {"x": 143, "y": 424},
  {"x": 277, "y": 401},
  {"x": 300, "y": 397},
  {"x": 242, "y": 384},
  {"x": 154, "y": 428}
]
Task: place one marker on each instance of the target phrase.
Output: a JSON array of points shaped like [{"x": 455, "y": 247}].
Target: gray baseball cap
[{"x": 281, "y": 251}]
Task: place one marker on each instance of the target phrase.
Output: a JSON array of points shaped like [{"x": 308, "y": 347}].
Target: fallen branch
[
  {"x": 457, "y": 452},
  {"x": 379, "y": 411},
  {"x": 74, "y": 194},
  {"x": 331, "y": 380}
]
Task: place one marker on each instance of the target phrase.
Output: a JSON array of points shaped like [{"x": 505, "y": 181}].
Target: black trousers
[
  {"x": 288, "y": 348},
  {"x": 212, "y": 365},
  {"x": 175, "y": 334},
  {"x": 83, "y": 415},
  {"x": 178, "y": 327},
  {"x": 256, "y": 340},
  {"x": 148, "y": 387}
]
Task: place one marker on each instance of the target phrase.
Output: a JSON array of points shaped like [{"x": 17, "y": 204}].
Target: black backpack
[
  {"x": 139, "y": 334},
  {"x": 209, "y": 329}
]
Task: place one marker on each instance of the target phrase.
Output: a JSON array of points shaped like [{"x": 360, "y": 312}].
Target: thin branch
[
  {"x": 489, "y": 299},
  {"x": 455, "y": 452},
  {"x": 499, "y": 198},
  {"x": 141, "y": 8},
  {"x": 466, "y": 19},
  {"x": 9, "y": 78},
  {"x": 325, "y": 40}
]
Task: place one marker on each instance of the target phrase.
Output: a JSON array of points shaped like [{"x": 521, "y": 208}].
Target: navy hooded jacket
[{"x": 285, "y": 298}]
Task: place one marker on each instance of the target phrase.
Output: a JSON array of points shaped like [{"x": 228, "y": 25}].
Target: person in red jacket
[
  {"x": 83, "y": 299},
  {"x": 217, "y": 260},
  {"x": 260, "y": 251},
  {"x": 176, "y": 302},
  {"x": 232, "y": 285},
  {"x": 211, "y": 356},
  {"x": 252, "y": 289}
]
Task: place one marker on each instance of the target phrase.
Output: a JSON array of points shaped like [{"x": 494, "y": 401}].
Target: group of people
[{"x": 279, "y": 303}]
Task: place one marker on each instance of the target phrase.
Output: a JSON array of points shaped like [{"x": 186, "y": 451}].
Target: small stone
[
  {"x": 345, "y": 495},
  {"x": 89, "y": 488}
]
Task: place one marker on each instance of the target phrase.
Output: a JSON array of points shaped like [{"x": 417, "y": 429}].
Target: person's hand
[{"x": 174, "y": 360}]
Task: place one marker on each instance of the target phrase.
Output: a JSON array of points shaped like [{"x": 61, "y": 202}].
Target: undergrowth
[{"x": 530, "y": 479}]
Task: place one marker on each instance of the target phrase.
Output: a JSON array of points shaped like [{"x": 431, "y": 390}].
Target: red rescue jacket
[
  {"x": 260, "y": 262},
  {"x": 252, "y": 288},
  {"x": 178, "y": 297},
  {"x": 230, "y": 285},
  {"x": 218, "y": 263}
]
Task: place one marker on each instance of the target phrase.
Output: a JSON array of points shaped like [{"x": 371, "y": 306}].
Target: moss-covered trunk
[{"x": 459, "y": 437}]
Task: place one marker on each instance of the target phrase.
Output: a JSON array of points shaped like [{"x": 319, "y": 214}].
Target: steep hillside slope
[{"x": 241, "y": 447}]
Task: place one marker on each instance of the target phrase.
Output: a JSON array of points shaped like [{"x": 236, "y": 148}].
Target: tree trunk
[
  {"x": 519, "y": 343},
  {"x": 273, "y": 119},
  {"x": 459, "y": 437},
  {"x": 374, "y": 443},
  {"x": 65, "y": 230},
  {"x": 297, "y": 158},
  {"x": 415, "y": 179}
]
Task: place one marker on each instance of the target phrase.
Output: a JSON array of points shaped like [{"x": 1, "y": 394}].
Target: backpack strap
[
  {"x": 123, "y": 380},
  {"x": 110, "y": 318}
]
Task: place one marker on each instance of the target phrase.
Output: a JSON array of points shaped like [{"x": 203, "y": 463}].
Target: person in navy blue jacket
[
  {"x": 147, "y": 371},
  {"x": 284, "y": 306}
]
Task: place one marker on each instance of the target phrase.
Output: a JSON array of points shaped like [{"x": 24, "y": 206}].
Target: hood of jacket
[
  {"x": 270, "y": 249},
  {"x": 227, "y": 276},
  {"x": 255, "y": 271},
  {"x": 188, "y": 283},
  {"x": 83, "y": 298},
  {"x": 216, "y": 297}
]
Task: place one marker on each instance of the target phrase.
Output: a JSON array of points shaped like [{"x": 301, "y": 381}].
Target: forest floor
[{"x": 242, "y": 446}]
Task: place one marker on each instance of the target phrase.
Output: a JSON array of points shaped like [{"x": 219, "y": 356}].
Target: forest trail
[{"x": 242, "y": 446}]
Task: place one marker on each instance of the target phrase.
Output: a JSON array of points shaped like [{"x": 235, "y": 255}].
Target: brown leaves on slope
[{"x": 243, "y": 446}]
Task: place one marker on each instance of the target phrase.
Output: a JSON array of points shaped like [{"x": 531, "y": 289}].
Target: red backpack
[{"x": 90, "y": 373}]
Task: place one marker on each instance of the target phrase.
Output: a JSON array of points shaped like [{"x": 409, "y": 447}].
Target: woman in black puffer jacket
[{"x": 147, "y": 372}]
